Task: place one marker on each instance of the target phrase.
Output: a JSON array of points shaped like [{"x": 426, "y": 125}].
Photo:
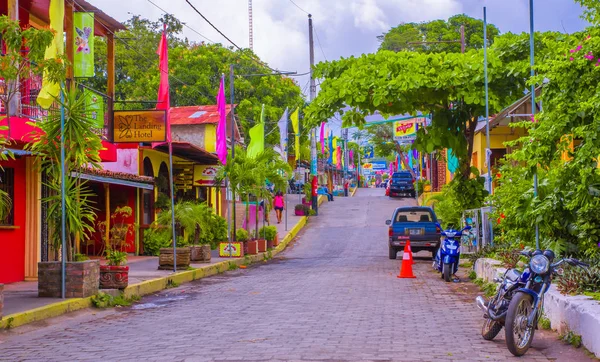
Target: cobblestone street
[{"x": 332, "y": 296}]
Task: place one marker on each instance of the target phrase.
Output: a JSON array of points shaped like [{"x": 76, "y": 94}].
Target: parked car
[
  {"x": 419, "y": 224},
  {"x": 402, "y": 184}
]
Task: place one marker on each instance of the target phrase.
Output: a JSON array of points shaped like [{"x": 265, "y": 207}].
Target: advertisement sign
[
  {"x": 139, "y": 126},
  {"x": 204, "y": 175},
  {"x": 405, "y": 131},
  {"x": 94, "y": 107},
  {"x": 234, "y": 248},
  {"x": 83, "y": 47},
  {"x": 375, "y": 166},
  {"x": 368, "y": 152}
]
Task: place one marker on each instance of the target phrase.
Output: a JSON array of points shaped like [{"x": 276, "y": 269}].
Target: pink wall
[{"x": 127, "y": 162}]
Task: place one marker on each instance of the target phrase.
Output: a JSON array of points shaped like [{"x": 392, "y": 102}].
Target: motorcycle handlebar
[
  {"x": 571, "y": 261},
  {"x": 526, "y": 253}
]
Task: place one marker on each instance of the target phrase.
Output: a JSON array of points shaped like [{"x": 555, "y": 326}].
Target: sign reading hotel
[{"x": 139, "y": 126}]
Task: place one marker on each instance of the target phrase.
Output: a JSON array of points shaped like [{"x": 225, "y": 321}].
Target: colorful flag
[
  {"x": 330, "y": 161},
  {"x": 222, "y": 125},
  {"x": 296, "y": 127},
  {"x": 50, "y": 91},
  {"x": 283, "y": 134},
  {"x": 83, "y": 39},
  {"x": 322, "y": 138},
  {"x": 351, "y": 157},
  {"x": 164, "y": 100},
  {"x": 334, "y": 148},
  {"x": 339, "y": 157},
  {"x": 257, "y": 136},
  {"x": 94, "y": 107}
]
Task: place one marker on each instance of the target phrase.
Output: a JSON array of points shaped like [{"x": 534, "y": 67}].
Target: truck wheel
[{"x": 393, "y": 253}]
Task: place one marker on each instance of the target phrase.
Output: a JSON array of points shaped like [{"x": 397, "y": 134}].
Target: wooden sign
[{"x": 140, "y": 126}]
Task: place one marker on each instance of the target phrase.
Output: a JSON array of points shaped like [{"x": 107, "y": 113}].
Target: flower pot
[
  {"x": 262, "y": 245},
  {"x": 82, "y": 279},
  {"x": 165, "y": 259},
  {"x": 114, "y": 277},
  {"x": 270, "y": 244},
  {"x": 276, "y": 240},
  {"x": 200, "y": 253},
  {"x": 299, "y": 212},
  {"x": 252, "y": 247}
]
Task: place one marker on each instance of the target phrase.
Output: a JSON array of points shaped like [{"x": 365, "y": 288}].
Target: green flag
[
  {"x": 83, "y": 49},
  {"x": 257, "y": 136},
  {"x": 94, "y": 107}
]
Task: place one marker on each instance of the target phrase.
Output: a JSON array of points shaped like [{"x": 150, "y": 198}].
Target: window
[
  {"x": 7, "y": 184},
  {"x": 414, "y": 216}
]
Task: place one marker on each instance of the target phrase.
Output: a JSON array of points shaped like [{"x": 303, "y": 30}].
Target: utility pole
[
  {"x": 250, "y": 26},
  {"x": 313, "y": 133},
  {"x": 345, "y": 168},
  {"x": 231, "y": 97}
]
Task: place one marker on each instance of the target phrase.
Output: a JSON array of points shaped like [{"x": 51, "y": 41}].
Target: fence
[{"x": 482, "y": 227}]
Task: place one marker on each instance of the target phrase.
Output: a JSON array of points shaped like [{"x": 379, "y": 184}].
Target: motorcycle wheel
[
  {"x": 447, "y": 271},
  {"x": 518, "y": 335},
  {"x": 490, "y": 329}
]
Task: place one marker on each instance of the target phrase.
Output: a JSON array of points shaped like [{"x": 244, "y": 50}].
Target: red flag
[{"x": 164, "y": 101}]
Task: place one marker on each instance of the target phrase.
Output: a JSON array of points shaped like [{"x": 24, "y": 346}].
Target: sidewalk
[{"x": 22, "y": 305}]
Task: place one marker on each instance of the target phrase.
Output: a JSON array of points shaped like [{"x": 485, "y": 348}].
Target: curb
[
  {"x": 144, "y": 288},
  {"x": 354, "y": 191}
]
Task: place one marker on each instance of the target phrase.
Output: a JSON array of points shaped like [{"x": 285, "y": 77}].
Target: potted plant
[
  {"x": 301, "y": 210},
  {"x": 119, "y": 229},
  {"x": 185, "y": 220},
  {"x": 115, "y": 274},
  {"x": 251, "y": 246},
  {"x": 307, "y": 199},
  {"x": 269, "y": 233}
]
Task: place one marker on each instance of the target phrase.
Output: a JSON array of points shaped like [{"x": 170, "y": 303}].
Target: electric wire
[
  {"x": 318, "y": 42},
  {"x": 296, "y": 5},
  {"x": 184, "y": 24}
]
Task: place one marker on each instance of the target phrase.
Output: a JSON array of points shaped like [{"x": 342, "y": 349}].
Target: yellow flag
[
  {"x": 49, "y": 91},
  {"x": 296, "y": 127},
  {"x": 257, "y": 136},
  {"x": 334, "y": 151}
]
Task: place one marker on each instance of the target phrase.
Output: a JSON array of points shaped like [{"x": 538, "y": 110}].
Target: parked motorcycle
[
  {"x": 518, "y": 302},
  {"x": 448, "y": 255}
]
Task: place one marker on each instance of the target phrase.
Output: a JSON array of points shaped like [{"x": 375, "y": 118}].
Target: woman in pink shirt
[{"x": 278, "y": 205}]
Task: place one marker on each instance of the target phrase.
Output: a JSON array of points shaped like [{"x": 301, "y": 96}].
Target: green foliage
[
  {"x": 592, "y": 12},
  {"x": 301, "y": 207},
  {"x": 119, "y": 229},
  {"x": 82, "y": 147},
  {"x": 115, "y": 257},
  {"x": 268, "y": 232},
  {"x": 398, "y": 38},
  {"x": 485, "y": 252},
  {"x": 307, "y": 188},
  {"x": 172, "y": 284},
  {"x": 578, "y": 280},
  {"x": 198, "y": 222},
  {"x": 544, "y": 323},
  {"x": 80, "y": 257},
  {"x": 508, "y": 257},
  {"x": 156, "y": 238},
  {"x": 488, "y": 289},
  {"x": 312, "y": 212},
  {"x": 571, "y": 338},
  {"x": 232, "y": 266},
  {"x": 103, "y": 300},
  {"x": 241, "y": 235},
  {"x": 472, "y": 275},
  {"x": 456, "y": 197}
]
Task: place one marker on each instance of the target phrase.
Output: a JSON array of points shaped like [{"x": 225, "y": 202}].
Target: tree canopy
[{"x": 400, "y": 37}]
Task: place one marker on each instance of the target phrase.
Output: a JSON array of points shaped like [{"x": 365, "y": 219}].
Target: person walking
[
  {"x": 346, "y": 187},
  {"x": 278, "y": 205}
]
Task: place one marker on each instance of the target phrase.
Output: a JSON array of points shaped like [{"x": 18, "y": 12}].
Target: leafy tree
[
  {"x": 400, "y": 37},
  {"x": 196, "y": 70}
]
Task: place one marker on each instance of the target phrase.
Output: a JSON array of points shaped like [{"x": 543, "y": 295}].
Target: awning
[
  {"x": 114, "y": 181},
  {"x": 190, "y": 152},
  {"x": 509, "y": 112}
]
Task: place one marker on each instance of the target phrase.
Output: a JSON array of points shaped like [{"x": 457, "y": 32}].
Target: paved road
[{"x": 333, "y": 296}]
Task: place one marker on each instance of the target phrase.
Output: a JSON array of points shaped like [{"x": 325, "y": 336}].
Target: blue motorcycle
[{"x": 448, "y": 255}]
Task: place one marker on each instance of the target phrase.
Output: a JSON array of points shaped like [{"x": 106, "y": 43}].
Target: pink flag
[
  {"x": 339, "y": 157},
  {"x": 322, "y": 138},
  {"x": 351, "y": 157},
  {"x": 222, "y": 126},
  {"x": 164, "y": 101}
]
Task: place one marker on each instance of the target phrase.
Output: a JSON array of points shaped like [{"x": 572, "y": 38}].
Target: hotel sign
[{"x": 139, "y": 126}]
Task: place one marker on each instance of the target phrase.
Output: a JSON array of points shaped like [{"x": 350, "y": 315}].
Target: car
[
  {"x": 419, "y": 224},
  {"x": 402, "y": 184}
]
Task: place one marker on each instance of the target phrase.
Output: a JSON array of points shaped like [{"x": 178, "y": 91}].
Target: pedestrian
[
  {"x": 278, "y": 205},
  {"x": 329, "y": 194},
  {"x": 346, "y": 186}
]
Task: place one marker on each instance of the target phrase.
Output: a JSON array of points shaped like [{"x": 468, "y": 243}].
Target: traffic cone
[
  {"x": 406, "y": 266},
  {"x": 407, "y": 247}
]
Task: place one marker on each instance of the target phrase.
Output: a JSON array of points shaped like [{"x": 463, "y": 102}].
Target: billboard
[
  {"x": 139, "y": 126},
  {"x": 405, "y": 132}
]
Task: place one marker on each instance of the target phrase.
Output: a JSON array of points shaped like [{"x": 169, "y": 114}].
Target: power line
[
  {"x": 184, "y": 24},
  {"x": 296, "y": 5},
  {"x": 319, "y": 42}
]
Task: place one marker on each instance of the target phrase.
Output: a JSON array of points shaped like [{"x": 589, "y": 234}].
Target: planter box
[
  {"x": 1, "y": 299},
  {"x": 299, "y": 212},
  {"x": 270, "y": 244},
  {"x": 114, "y": 277},
  {"x": 580, "y": 314},
  {"x": 237, "y": 249},
  {"x": 83, "y": 279},
  {"x": 276, "y": 241},
  {"x": 262, "y": 245},
  {"x": 165, "y": 259},
  {"x": 200, "y": 253},
  {"x": 252, "y": 247}
]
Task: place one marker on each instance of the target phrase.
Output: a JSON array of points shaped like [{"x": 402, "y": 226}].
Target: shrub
[
  {"x": 578, "y": 280},
  {"x": 457, "y": 196},
  {"x": 157, "y": 238},
  {"x": 508, "y": 257},
  {"x": 115, "y": 257},
  {"x": 312, "y": 212},
  {"x": 241, "y": 235},
  {"x": 268, "y": 232},
  {"x": 80, "y": 257}
]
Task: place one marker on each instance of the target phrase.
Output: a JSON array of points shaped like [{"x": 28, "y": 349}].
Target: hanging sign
[
  {"x": 83, "y": 47},
  {"x": 405, "y": 132},
  {"x": 139, "y": 126},
  {"x": 204, "y": 175}
]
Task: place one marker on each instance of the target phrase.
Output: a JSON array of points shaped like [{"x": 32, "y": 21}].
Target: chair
[
  {"x": 424, "y": 218},
  {"x": 402, "y": 218}
]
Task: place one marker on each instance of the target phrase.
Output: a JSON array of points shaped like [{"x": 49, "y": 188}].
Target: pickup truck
[
  {"x": 417, "y": 224},
  {"x": 402, "y": 184}
]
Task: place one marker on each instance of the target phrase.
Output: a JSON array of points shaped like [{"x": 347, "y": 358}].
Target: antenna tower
[{"x": 250, "y": 32}]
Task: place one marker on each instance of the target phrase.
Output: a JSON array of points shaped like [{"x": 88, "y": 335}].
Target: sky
[{"x": 342, "y": 27}]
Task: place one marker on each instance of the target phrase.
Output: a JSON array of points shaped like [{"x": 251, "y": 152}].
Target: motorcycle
[
  {"x": 519, "y": 299},
  {"x": 448, "y": 255}
]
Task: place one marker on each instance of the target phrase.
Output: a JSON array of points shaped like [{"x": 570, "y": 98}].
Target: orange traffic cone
[
  {"x": 406, "y": 266},
  {"x": 407, "y": 247}
]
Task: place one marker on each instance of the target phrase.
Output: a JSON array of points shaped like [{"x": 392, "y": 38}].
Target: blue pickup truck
[{"x": 417, "y": 224}]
